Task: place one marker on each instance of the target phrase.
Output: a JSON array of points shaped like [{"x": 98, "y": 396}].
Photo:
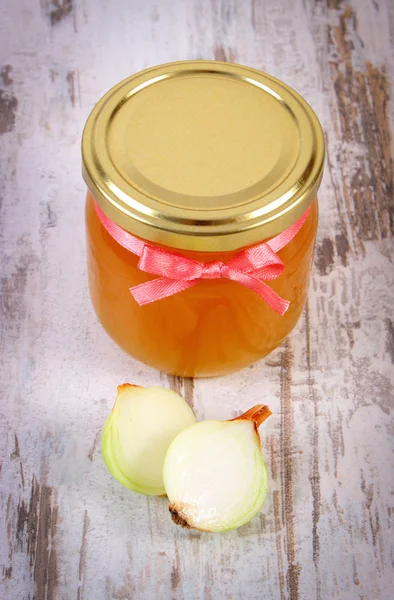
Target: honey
[
  {"x": 213, "y": 328},
  {"x": 218, "y": 326}
]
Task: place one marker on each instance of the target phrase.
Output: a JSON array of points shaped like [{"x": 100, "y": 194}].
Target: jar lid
[{"x": 203, "y": 155}]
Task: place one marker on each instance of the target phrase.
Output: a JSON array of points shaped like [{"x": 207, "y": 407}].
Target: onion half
[
  {"x": 138, "y": 432},
  {"x": 215, "y": 475}
]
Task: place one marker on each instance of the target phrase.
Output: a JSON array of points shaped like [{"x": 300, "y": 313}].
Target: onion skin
[
  {"x": 258, "y": 414},
  {"x": 124, "y": 387},
  {"x": 177, "y": 516}
]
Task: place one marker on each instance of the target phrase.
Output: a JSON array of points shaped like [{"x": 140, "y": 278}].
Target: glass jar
[{"x": 201, "y": 160}]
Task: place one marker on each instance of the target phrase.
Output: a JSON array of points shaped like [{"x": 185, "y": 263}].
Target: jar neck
[{"x": 224, "y": 256}]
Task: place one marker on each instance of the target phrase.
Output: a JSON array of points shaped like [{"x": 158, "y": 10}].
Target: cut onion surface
[{"x": 214, "y": 473}]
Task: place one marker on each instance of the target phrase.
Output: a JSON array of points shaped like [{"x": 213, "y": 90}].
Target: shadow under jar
[{"x": 201, "y": 160}]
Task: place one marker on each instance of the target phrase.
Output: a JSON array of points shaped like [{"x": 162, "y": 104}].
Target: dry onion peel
[
  {"x": 138, "y": 432},
  {"x": 215, "y": 475}
]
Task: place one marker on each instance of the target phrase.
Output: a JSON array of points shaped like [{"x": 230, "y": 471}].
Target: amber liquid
[{"x": 214, "y": 328}]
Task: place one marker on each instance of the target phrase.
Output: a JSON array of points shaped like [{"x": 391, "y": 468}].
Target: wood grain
[{"x": 67, "y": 530}]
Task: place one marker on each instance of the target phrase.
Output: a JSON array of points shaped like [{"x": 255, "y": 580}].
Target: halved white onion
[
  {"x": 214, "y": 473},
  {"x": 137, "y": 434}
]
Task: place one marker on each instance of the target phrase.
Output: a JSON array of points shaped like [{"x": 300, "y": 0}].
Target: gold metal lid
[{"x": 203, "y": 155}]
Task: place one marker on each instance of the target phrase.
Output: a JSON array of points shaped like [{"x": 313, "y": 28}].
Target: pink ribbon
[{"x": 249, "y": 267}]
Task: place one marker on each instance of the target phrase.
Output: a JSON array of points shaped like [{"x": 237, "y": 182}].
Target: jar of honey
[{"x": 201, "y": 214}]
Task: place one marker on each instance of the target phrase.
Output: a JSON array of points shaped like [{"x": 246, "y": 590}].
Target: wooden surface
[{"x": 68, "y": 530}]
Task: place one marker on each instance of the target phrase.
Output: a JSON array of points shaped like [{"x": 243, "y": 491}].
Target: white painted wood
[{"x": 67, "y": 529}]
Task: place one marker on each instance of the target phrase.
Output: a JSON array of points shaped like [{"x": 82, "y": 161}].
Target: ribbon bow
[{"x": 249, "y": 267}]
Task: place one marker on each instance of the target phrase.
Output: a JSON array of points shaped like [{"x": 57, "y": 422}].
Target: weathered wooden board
[{"x": 67, "y": 529}]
